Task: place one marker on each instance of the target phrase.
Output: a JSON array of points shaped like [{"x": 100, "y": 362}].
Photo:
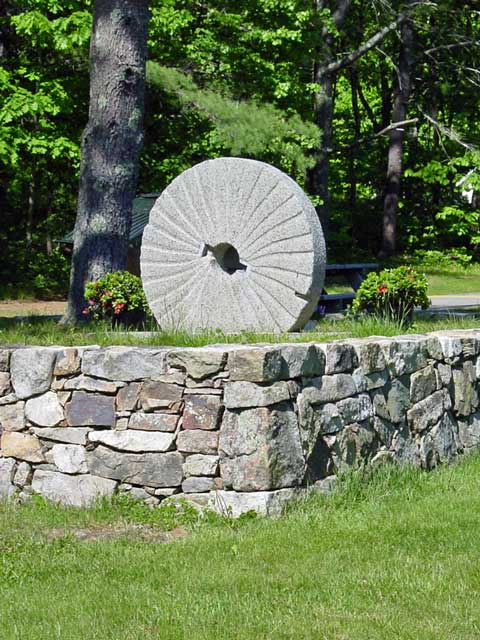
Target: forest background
[{"x": 312, "y": 88}]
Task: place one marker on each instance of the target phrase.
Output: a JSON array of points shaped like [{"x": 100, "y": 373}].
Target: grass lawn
[
  {"x": 398, "y": 557},
  {"x": 47, "y": 332}
]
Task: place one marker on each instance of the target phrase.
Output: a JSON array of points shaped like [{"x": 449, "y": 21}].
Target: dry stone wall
[{"x": 230, "y": 427}]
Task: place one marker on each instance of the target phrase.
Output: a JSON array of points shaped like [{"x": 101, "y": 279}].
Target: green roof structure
[{"x": 142, "y": 206}]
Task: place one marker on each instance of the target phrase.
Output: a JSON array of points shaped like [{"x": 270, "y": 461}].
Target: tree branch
[
  {"x": 377, "y": 134},
  {"x": 338, "y": 65},
  {"x": 448, "y": 133}
]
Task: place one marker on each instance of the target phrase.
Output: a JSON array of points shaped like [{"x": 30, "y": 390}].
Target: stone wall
[{"x": 231, "y": 427}]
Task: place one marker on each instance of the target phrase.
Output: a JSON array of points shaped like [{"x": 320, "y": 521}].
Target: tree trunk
[
  {"x": 111, "y": 144},
  {"x": 395, "y": 150},
  {"x": 323, "y": 110}
]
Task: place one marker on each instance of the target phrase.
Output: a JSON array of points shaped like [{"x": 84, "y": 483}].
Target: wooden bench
[{"x": 354, "y": 274}]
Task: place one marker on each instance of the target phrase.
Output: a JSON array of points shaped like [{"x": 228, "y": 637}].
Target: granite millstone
[{"x": 233, "y": 244}]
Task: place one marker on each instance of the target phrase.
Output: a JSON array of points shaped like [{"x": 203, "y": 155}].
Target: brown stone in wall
[
  {"x": 90, "y": 409},
  {"x": 202, "y": 412},
  {"x": 161, "y": 395}
]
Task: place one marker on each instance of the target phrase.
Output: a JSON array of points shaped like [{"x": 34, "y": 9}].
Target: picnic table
[{"x": 354, "y": 274}]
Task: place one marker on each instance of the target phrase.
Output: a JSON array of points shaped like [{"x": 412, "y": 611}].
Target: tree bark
[
  {"x": 395, "y": 149},
  {"x": 323, "y": 110},
  {"x": 111, "y": 144}
]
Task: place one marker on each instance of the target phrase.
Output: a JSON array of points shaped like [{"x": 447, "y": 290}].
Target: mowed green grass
[{"x": 398, "y": 557}]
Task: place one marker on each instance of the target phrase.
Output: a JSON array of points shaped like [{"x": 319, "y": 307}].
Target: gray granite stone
[
  {"x": 260, "y": 449},
  {"x": 200, "y": 465},
  {"x": 7, "y": 469},
  {"x": 197, "y": 441},
  {"x": 246, "y": 233},
  {"x": 75, "y": 491},
  {"x": 406, "y": 354},
  {"x": 5, "y": 386},
  {"x": 422, "y": 384},
  {"x": 465, "y": 392},
  {"x": 31, "y": 370},
  {"x": 329, "y": 388},
  {"x": 199, "y": 363},
  {"x": 195, "y": 484},
  {"x": 69, "y": 458},
  {"x": 90, "y": 409},
  {"x": 4, "y": 359},
  {"x": 161, "y": 395},
  {"x": 44, "y": 410},
  {"x": 339, "y": 357},
  {"x": 153, "y": 421},
  {"x": 23, "y": 474},
  {"x": 149, "y": 469},
  {"x": 256, "y": 364},
  {"x": 12, "y": 417},
  {"x": 69, "y": 435},
  {"x": 356, "y": 409},
  {"x": 67, "y": 363},
  {"x": 242, "y": 394},
  {"x": 302, "y": 360},
  {"x": 133, "y": 440},
  {"x": 429, "y": 411},
  {"x": 124, "y": 363},
  {"x": 264, "y": 503},
  {"x": 86, "y": 383}
]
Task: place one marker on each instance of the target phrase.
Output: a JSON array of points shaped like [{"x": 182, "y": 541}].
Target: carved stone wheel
[{"x": 235, "y": 245}]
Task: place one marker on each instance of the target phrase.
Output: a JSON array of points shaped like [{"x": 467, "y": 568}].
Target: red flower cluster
[{"x": 382, "y": 289}]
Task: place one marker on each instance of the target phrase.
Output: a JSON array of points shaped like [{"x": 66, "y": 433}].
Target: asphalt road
[{"x": 457, "y": 301}]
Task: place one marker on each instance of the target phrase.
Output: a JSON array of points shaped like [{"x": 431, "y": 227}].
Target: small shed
[{"x": 142, "y": 206}]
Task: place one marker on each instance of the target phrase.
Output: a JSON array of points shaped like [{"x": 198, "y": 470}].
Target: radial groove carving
[{"x": 235, "y": 245}]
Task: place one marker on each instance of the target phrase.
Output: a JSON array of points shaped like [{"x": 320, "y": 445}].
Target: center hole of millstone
[{"x": 226, "y": 256}]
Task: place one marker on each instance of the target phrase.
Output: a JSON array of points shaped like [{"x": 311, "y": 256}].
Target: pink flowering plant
[
  {"x": 118, "y": 295},
  {"x": 392, "y": 294}
]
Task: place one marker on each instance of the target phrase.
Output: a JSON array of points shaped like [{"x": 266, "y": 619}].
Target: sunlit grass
[{"x": 397, "y": 556}]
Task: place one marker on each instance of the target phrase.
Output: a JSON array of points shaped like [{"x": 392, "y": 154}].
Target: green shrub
[
  {"x": 448, "y": 258},
  {"x": 392, "y": 294},
  {"x": 117, "y": 295}
]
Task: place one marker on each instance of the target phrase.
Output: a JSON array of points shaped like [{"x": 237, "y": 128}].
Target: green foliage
[
  {"x": 435, "y": 258},
  {"x": 114, "y": 296},
  {"x": 392, "y": 294},
  {"x": 244, "y": 128}
]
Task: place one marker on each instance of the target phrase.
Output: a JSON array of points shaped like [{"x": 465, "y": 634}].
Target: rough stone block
[
  {"x": 469, "y": 432},
  {"x": 264, "y": 503},
  {"x": 465, "y": 393},
  {"x": 69, "y": 435},
  {"x": 90, "y": 409},
  {"x": 256, "y": 364},
  {"x": 199, "y": 363},
  {"x": 22, "y": 446},
  {"x": 128, "y": 396},
  {"x": 392, "y": 401},
  {"x": 7, "y": 488},
  {"x": 85, "y": 383},
  {"x": 302, "y": 360},
  {"x": 202, "y": 412},
  {"x": 356, "y": 409},
  {"x": 197, "y": 441},
  {"x": 44, "y": 410},
  {"x": 23, "y": 474},
  {"x": 134, "y": 441},
  {"x": 67, "y": 363},
  {"x": 5, "y": 387},
  {"x": 329, "y": 388},
  {"x": 439, "y": 444},
  {"x": 422, "y": 384},
  {"x": 4, "y": 359},
  {"x": 75, "y": 491},
  {"x": 429, "y": 411},
  {"x": 69, "y": 458},
  {"x": 31, "y": 370},
  {"x": 405, "y": 354},
  {"x": 200, "y": 465},
  {"x": 12, "y": 417},
  {"x": 340, "y": 357},
  {"x": 196, "y": 484},
  {"x": 370, "y": 356},
  {"x": 260, "y": 449},
  {"x": 161, "y": 395},
  {"x": 153, "y": 421},
  {"x": 124, "y": 363},
  {"x": 149, "y": 469},
  {"x": 354, "y": 446},
  {"x": 248, "y": 394}
]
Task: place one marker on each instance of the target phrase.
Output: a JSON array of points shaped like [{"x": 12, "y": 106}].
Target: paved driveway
[{"x": 455, "y": 301}]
